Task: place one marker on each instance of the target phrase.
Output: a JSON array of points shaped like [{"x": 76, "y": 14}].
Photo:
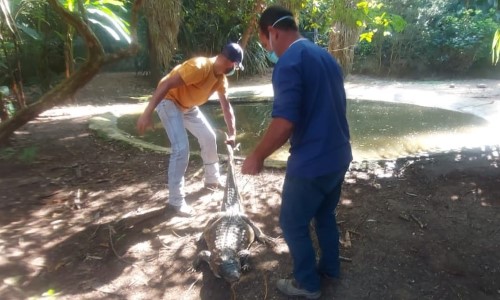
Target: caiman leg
[
  {"x": 244, "y": 259},
  {"x": 259, "y": 235},
  {"x": 202, "y": 256}
]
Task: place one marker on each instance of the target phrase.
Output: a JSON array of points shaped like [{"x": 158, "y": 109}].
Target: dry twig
[
  {"x": 354, "y": 232},
  {"x": 347, "y": 240},
  {"x": 192, "y": 284},
  {"x": 92, "y": 236},
  {"x": 410, "y": 194},
  {"x": 363, "y": 219},
  {"x": 422, "y": 225},
  {"x": 110, "y": 229},
  {"x": 404, "y": 217},
  {"x": 265, "y": 285},
  {"x": 346, "y": 259}
]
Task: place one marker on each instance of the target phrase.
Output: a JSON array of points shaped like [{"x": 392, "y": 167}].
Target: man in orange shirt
[{"x": 176, "y": 100}]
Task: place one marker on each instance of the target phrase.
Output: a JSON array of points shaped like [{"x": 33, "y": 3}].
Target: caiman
[{"x": 230, "y": 233}]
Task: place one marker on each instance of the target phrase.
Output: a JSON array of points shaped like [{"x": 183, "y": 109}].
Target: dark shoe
[
  {"x": 184, "y": 210},
  {"x": 287, "y": 287}
]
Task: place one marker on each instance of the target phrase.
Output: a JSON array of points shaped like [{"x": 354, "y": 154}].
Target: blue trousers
[{"x": 304, "y": 199}]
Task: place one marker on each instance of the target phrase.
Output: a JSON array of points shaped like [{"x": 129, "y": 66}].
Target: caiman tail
[{"x": 232, "y": 199}]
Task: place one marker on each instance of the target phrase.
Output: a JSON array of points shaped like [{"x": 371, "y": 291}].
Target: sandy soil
[{"x": 82, "y": 217}]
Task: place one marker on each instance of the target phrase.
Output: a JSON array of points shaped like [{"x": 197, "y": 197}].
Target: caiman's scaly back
[
  {"x": 232, "y": 199},
  {"x": 230, "y": 233}
]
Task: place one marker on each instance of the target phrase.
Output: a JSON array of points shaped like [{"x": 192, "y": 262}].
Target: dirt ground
[{"x": 83, "y": 217}]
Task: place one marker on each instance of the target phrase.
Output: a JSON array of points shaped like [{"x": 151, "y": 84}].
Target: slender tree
[
  {"x": 164, "y": 17},
  {"x": 252, "y": 23},
  {"x": 10, "y": 33},
  {"x": 344, "y": 33}
]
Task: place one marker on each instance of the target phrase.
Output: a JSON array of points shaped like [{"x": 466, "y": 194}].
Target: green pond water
[{"x": 379, "y": 130}]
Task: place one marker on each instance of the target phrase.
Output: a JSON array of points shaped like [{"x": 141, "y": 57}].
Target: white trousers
[{"x": 175, "y": 123}]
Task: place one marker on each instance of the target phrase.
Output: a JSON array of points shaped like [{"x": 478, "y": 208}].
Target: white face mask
[{"x": 231, "y": 72}]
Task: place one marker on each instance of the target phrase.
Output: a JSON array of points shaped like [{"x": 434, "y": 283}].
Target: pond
[{"x": 379, "y": 130}]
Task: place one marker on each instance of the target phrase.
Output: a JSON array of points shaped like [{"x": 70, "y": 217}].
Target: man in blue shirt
[{"x": 309, "y": 110}]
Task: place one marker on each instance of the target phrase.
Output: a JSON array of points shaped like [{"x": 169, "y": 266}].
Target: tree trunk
[
  {"x": 3, "y": 109},
  {"x": 17, "y": 80},
  {"x": 50, "y": 99},
  {"x": 69, "y": 56},
  {"x": 14, "y": 64},
  {"x": 154, "y": 64},
  {"x": 67, "y": 88},
  {"x": 344, "y": 35},
  {"x": 252, "y": 24},
  {"x": 163, "y": 17}
]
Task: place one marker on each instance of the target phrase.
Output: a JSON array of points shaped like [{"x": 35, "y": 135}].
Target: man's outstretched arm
[{"x": 278, "y": 132}]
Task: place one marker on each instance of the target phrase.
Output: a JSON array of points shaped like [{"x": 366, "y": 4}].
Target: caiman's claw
[
  {"x": 268, "y": 241},
  {"x": 245, "y": 267},
  {"x": 196, "y": 265}
]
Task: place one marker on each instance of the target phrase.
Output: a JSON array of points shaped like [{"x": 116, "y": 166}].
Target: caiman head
[{"x": 227, "y": 265}]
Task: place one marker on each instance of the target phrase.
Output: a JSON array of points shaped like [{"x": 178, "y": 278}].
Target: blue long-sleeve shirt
[{"x": 309, "y": 92}]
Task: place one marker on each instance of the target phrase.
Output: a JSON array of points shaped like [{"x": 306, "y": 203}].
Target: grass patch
[{"x": 25, "y": 155}]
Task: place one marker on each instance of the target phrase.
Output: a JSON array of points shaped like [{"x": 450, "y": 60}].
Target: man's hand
[
  {"x": 143, "y": 123},
  {"x": 231, "y": 140},
  {"x": 252, "y": 165}
]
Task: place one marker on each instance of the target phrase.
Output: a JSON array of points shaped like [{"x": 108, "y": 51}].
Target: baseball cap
[{"x": 234, "y": 53}]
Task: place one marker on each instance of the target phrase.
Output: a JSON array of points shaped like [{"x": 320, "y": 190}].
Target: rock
[{"x": 481, "y": 85}]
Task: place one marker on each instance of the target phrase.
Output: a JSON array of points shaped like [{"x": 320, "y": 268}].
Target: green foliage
[
  {"x": 255, "y": 60},
  {"x": 7, "y": 153},
  {"x": 40, "y": 47},
  {"x": 441, "y": 37},
  {"x": 26, "y": 155},
  {"x": 315, "y": 15},
  {"x": 208, "y": 25},
  {"x": 8, "y": 101},
  {"x": 460, "y": 39},
  {"x": 377, "y": 21},
  {"x": 102, "y": 13}
]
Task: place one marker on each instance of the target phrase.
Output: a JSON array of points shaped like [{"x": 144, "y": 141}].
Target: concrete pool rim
[{"x": 105, "y": 125}]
